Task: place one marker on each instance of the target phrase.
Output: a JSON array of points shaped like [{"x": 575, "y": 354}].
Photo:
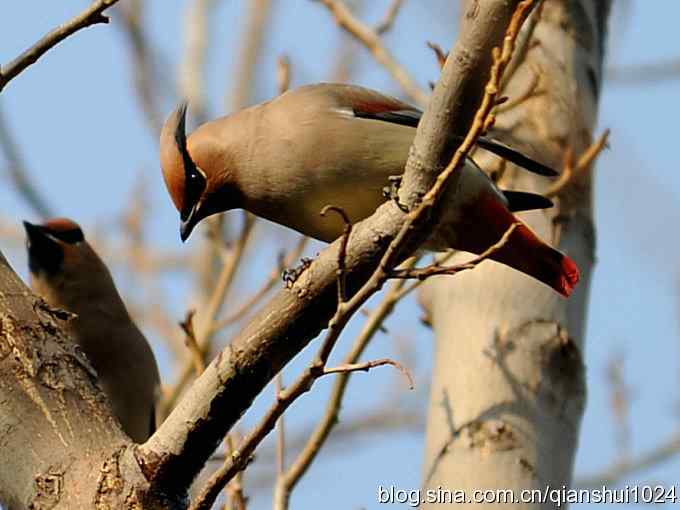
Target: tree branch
[
  {"x": 370, "y": 38},
  {"x": 90, "y": 16}
]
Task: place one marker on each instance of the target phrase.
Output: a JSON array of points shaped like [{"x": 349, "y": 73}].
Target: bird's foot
[
  {"x": 290, "y": 276},
  {"x": 391, "y": 192}
]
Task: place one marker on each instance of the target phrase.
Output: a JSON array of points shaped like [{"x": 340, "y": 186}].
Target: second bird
[
  {"x": 67, "y": 273},
  {"x": 332, "y": 144}
]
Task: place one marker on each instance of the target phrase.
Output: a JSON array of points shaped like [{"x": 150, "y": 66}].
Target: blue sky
[{"x": 76, "y": 119}]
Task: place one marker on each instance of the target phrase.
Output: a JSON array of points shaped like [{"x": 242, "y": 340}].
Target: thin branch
[
  {"x": 90, "y": 16},
  {"x": 241, "y": 457},
  {"x": 322, "y": 431},
  {"x": 640, "y": 74},
  {"x": 530, "y": 91},
  {"x": 438, "y": 270},
  {"x": 235, "y": 487},
  {"x": 148, "y": 85},
  {"x": 389, "y": 18},
  {"x": 283, "y": 73},
  {"x": 619, "y": 402},
  {"x": 206, "y": 325},
  {"x": 620, "y": 470},
  {"x": 251, "y": 46},
  {"x": 187, "y": 326},
  {"x": 274, "y": 278},
  {"x": 342, "y": 252},
  {"x": 439, "y": 53},
  {"x": 18, "y": 173},
  {"x": 368, "y": 365},
  {"x": 524, "y": 43},
  {"x": 571, "y": 172},
  {"x": 371, "y": 40},
  {"x": 197, "y": 34},
  {"x": 281, "y": 433}
]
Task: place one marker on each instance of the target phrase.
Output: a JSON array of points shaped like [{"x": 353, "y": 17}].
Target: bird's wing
[{"x": 396, "y": 112}]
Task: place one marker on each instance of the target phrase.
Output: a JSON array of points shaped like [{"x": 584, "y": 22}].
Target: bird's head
[
  {"x": 194, "y": 171},
  {"x": 52, "y": 245},
  {"x": 64, "y": 268}
]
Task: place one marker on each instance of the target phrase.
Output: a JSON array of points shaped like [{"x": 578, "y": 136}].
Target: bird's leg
[
  {"x": 391, "y": 192},
  {"x": 290, "y": 276}
]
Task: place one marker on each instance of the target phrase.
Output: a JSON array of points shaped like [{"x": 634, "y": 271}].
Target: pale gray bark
[{"x": 508, "y": 389}]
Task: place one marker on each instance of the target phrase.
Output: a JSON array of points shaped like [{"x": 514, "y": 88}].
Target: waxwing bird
[
  {"x": 68, "y": 274},
  {"x": 332, "y": 144}
]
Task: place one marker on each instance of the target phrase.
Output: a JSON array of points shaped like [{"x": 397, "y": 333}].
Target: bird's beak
[
  {"x": 35, "y": 235},
  {"x": 188, "y": 223}
]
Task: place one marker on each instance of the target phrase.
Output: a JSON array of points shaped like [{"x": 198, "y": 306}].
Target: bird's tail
[
  {"x": 522, "y": 250},
  {"x": 525, "y": 252}
]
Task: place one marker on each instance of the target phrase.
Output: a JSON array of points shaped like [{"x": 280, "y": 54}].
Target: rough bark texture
[
  {"x": 60, "y": 446},
  {"x": 508, "y": 388}
]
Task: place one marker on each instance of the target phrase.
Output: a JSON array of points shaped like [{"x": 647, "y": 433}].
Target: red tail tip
[{"x": 569, "y": 278}]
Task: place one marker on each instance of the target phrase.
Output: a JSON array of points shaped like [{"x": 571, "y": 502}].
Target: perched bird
[
  {"x": 332, "y": 144},
  {"x": 68, "y": 274}
]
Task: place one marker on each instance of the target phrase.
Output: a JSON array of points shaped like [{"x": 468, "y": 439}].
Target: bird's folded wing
[{"x": 411, "y": 117}]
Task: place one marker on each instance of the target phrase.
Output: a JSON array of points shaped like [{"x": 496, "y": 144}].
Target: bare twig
[
  {"x": 622, "y": 469},
  {"x": 281, "y": 433},
  {"x": 329, "y": 419},
  {"x": 207, "y": 320},
  {"x": 524, "y": 43},
  {"x": 274, "y": 278},
  {"x": 342, "y": 252},
  {"x": 514, "y": 102},
  {"x": 571, "y": 172},
  {"x": 389, "y": 18},
  {"x": 251, "y": 46},
  {"x": 90, "y": 16},
  {"x": 187, "y": 326},
  {"x": 235, "y": 487},
  {"x": 196, "y": 33},
  {"x": 18, "y": 173},
  {"x": 438, "y": 270},
  {"x": 367, "y": 365},
  {"x": 619, "y": 402},
  {"x": 283, "y": 73},
  {"x": 651, "y": 72},
  {"x": 371, "y": 40},
  {"x": 147, "y": 84},
  {"x": 439, "y": 53},
  {"x": 241, "y": 457}
]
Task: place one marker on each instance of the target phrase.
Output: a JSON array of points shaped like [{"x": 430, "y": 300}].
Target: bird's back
[{"x": 308, "y": 150}]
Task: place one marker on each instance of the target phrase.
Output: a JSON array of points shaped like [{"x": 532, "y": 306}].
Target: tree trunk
[
  {"x": 61, "y": 447},
  {"x": 508, "y": 389}
]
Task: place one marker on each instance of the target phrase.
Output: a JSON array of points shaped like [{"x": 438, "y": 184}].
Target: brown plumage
[
  {"x": 68, "y": 274},
  {"x": 316, "y": 145}
]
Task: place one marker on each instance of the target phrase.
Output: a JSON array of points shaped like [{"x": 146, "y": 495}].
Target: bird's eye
[{"x": 194, "y": 186}]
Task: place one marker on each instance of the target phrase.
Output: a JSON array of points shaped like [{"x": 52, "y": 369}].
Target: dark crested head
[
  {"x": 185, "y": 181},
  {"x": 46, "y": 243}
]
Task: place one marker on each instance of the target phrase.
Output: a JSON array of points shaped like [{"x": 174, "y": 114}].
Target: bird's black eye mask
[
  {"x": 72, "y": 236},
  {"x": 194, "y": 181}
]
